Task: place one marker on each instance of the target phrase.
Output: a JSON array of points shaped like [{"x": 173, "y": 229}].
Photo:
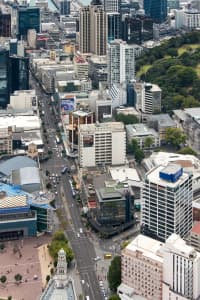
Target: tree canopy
[
  {"x": 175, "y": 137},
  {"x": 114, "y": 297},
  {"x": 59, "y": 241},
  {"x": 114, "y": 273},
  {"x": 126, "y": 119},
  {"x": 187, "y": 150}
]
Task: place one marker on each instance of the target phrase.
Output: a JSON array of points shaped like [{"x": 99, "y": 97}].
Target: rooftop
[
  {"x": 16, "y": 163},
  {"x": 109, "y": 194},
  {"x": 149, "y": 247},
  {"x": 107, "y": 126},
  {"x": 135, "y": 130},
  {"x": 124, "y": 174},
  {"x": 154, "y": 177},
  {"x": 24, "y": 122},
  {"x": 27, "y": 175},
  {"x": 164, "y": 120}
]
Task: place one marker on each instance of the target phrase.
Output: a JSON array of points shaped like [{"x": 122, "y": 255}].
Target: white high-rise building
[
  {"x": 121, "y": 62},
  {"x": 147, "y": 97},
  {"x": 181, "y": 270},
  {"x": 102, "y": 143},
  {"x": 167, "y": 197}
]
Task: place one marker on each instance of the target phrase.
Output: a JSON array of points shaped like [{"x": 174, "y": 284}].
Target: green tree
[
  {"x": 187, "y": 150},
  {"x": 148, "y": 142},
  {"x": 3, "y": 279},
  {"x": 18, "y": 278},
  {"x": 126, "y": 119},
  {"x": 134, "y": 145},
  {"x": 48, "y": 278},
  {"x": 59, "y": 241},
  {"x": 9, "y": 297},
  {"x": 175, "y": 137},
  {"x": 48, "y": 186},
  {"x": 139, "y": 155},
  {"x": 2, "y": 246},
  {"x": 114, "y": 297},
  {"x": 114, "y": 273}
]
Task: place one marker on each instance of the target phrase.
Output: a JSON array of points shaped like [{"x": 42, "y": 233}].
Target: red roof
[{"x": 196, "y": 228}]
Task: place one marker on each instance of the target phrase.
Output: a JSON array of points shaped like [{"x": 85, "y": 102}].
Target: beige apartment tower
[{"x": 93, "y": 30}]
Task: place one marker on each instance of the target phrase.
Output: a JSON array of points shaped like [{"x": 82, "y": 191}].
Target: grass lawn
[
  {"x": 143, "y": 70},
  {"x": 185, "y": 48}
]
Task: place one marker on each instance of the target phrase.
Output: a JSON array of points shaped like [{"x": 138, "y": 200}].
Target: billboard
[
  {"x": 67, "y": 103},
  {"x": 88, "y": 141}
]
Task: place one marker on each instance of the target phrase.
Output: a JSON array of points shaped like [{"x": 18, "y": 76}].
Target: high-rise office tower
[
  {"x": 113, "y": 30},
  {"x": 167, "y": 197},
  {"x": 121, "y": 62},
  {"x": 65, "y": 7},
  {"x": 181, "y": 270},
  {"x": 98, "y": 39},
  {"x": 84, "y": 30},
  {"x": 5, "y": 22},
  {"x": 111, "y": 6},
  {"x": 4, "y": 78},
  {"x": 93, "y": 30},
  {"x": 156, "y": 9},
  {"x": 28, "y": 18},
  {"x": 19, "y": 75}
]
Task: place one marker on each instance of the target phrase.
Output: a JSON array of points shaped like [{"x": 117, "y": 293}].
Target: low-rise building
[
  {"x": 6, "y": 143},
  {"x": 24, "y": 100},
  {"x": 160, "y": 123},
  {"x": 98, "y": 70},
  {"x": 99, "y": 144},
  {"x": 81, "y": 67},
  {"x": 146, "y": 137}
]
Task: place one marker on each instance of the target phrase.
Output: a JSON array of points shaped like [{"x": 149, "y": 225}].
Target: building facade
[
  {"x": 19, "y": 75},
  {"x": 156, "y": 9},
  {"x": 111, "y": 6},
  {"x": 113, "y": 30},
  {"x": 99, "y": 144},
  {"x": 28, "y": 18},
  {"x": 167, "y": 197},
  {"x": 142, "y": 267},
  {"x": 181, "y": 275},
  {"x": 4, "y": 78},
  {"x": 121, "y": 62}
]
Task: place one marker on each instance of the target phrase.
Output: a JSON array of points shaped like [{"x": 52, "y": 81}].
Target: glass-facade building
[
  {"x": 113, "y": 22},
  {"x": 28, "y": 18},
  {"x": 4, "y": 78},
  {"x": 156, "y": 9},
  {"x": 19, "y": 75}
]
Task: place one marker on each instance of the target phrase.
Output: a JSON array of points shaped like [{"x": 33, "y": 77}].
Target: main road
[{"x": 82, "y": 247}]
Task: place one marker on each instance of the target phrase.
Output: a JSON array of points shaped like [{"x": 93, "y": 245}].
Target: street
[{"x": 82, "y": 247}]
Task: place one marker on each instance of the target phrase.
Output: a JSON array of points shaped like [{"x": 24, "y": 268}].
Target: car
[
  {"x": 81, "y": 230},
  {"x": 97, "y": 258},
  {"x": 78, "y": 235}
]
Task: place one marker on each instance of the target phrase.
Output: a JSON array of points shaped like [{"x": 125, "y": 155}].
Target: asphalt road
[{"x": 82, "y": 247}]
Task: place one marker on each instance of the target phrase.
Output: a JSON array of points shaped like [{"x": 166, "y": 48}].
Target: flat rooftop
[
  {"x": 164, "y": 120},
  {"x": 140, "y": 130},
  {"x": 149, "y": 247},
  {"x": 107, "y": 126},
  {"x": 24, "y": 122},
  {"x": 13, "y": 201},
  {"x": 154, "y": 177},
  {"x": 124, "y": 174}
]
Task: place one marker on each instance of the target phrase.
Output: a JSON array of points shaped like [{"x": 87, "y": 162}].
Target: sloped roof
[{"x": 16, "y": 163}]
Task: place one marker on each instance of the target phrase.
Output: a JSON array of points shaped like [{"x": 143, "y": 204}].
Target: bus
[{"x": 107, "y": 256}]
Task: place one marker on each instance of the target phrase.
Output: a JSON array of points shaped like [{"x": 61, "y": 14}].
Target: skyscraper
[
  {"x": 111, "y": 6},
  {"x": 98, "y": 39},
  {"x": 156, "y": 9},
  {"x": 167, "y": 197},
  {"x": 28, "y": 18},
  {"x": 65, "y": 7},
  {"x": 4, "y": 78},
  {"x": 84, "y": 30},
  {"x": 113, "y": 23},
  {"x": 121, "y": 62},
  {"x": 93, "y": 30},
  {"x": 19, "y": 74}
]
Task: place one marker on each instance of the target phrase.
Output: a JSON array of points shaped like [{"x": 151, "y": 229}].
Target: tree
[
  {"x": 139, "y": 155},
  {"x": 148, "y": 142},
  {"x": 59, "y": 241},
  {"x": 18, "y": 278},
  {"x": 3, "y": 279},
  {"x": 114, "y": 273},
  {"x": 134, "y": 145},
  {"x": 175, "y": 137},
  {"x": 187, "y": 150},
  {"x": 48, "y": 278},
  {"x": 9, "y": 297},
  {"x": 114, "y": 297},
  {"x": 127, "y": 119},
  {"x": 48, "y": 186}
]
